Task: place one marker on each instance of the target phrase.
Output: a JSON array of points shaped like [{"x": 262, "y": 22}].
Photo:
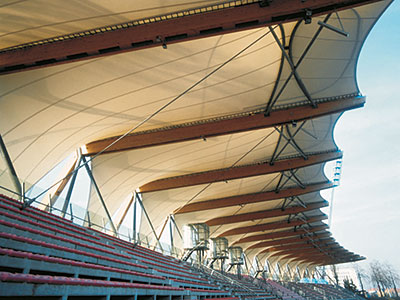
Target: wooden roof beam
[
  {"x": 286, "y": 233},
  {"x": 288, "y": 241},
  {"x": 266, "y": 243},
  {"x": 162, "y": 30},
  {"x": 271, "y": 226},
  {"x": 337, "y": 255},
  {"x": 223, "y": 126},
  {"x": 238, "y": 172},
  {"x": 331, "y": 261},
  {"x": 265, "y": 214},
  {"x": 293, "y": 249},
  {"x": 304, "y": 255},
  {"x": 251, "y": 198},
  {"x": 299, "y": 250},
  {"x": 336, "y": 252}
]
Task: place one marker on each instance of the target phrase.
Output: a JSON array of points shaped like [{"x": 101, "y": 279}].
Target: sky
[{"x": 366, "y": 205}]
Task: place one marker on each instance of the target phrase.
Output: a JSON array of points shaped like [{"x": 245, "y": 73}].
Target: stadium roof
[{"x": 217, "y": 112}]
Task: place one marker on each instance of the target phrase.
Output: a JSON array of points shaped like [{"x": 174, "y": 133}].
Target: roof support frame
[
  {"x": 289, "y": 141},
  {"x": 297, "y": 179},
  {"x": 293, "y": 67},
  {"x": 272, "y": 101},
  {"x": 289, "y": 200},
  {"x": 293, "y": 141},
  {"x": 292, "y": 173}
]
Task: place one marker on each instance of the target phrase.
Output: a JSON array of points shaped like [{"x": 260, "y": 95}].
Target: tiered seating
[
  {"x": 282, "y": 292},
  {"x": 44, "y": 255},
  {"x": 243, "y": 289},
  {"x": 335, "y": 292},
  {"x": 312, "y": 291}
]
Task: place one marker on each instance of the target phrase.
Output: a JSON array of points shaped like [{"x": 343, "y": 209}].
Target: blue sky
[{"x": 366, "y": 208}]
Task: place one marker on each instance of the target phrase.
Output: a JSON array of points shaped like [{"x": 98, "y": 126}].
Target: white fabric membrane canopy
[{"x": 48, "y": 113}]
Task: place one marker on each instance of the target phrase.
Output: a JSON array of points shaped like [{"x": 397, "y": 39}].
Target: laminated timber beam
[
  {"x": 286, "y": 233},
  {"x": 327, "y": 260},
  {"x": 334, "y": 259},
  {"x": 287, "y": 241},
  {"x": 160, "y": 31},
  {"x": 222, "y": 126},
  {"x": 271, "y": 226},
  {"x": 306, "y": 248},
  {"x": 313, "y": 258},
  {"x": 331, "y": 261},
  {"x": 307, "y": 254},
  {"x": 312, "y": 253},
  {"x": 291, "y": 251},
  {"x": 251, "y": 198},
  {"x": 304, "y": 255},
  {"x": 336, "y": 252},
  {"x": 238, "y": 172},
  {"x": 264, "y": 214},
  {"x": 266, "y": 243}
]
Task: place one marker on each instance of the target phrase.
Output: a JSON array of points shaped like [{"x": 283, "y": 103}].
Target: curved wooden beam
[
  {"x": 271, "y": 226},
  {"x": 266, "y": 243},
  {"x": 335, "y": 254},
  {"x": 299, "y": 250},
  {"x": 286, "y": 241},
  {"x": 251, "y": 198},
  {"x": 273, "y": 235},
  {"x": 264, "y": 214},
  {"x": 223, "y": 126},
  {"x": 238, "y": 172},
  {"x": 158, "y": 31},
  {"x": 323, "y": 259}
]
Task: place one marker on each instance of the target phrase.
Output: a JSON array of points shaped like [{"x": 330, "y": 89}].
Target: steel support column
[
  {"x": 100, "y": 196},
  {"x": 14, "y": 176},
  {"x": 71, "y": 187},
  {"x": 139, "y": 200}
]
